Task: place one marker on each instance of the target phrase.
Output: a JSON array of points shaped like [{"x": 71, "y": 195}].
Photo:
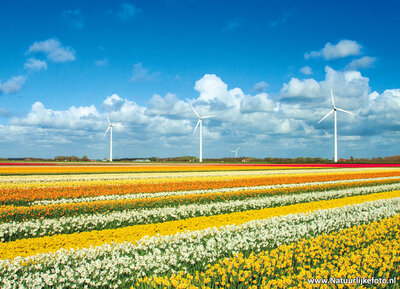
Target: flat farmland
[{"x": 199, "y": 226}]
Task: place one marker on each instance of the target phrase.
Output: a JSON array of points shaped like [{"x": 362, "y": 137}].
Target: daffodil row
[
  {"x": 364, "y": 252},
  {"x": 189, "y": 192},
  {"x": 120, "y": 265},
  {"x": 86, "y": 222}
]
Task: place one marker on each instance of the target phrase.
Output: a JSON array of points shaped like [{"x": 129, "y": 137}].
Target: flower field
[{"x": 199, "y": 226}]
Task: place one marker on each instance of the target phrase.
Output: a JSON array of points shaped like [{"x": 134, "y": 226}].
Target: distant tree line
[
  {"x": 299, "y": 160},
  {"x": 71, "y": 159}
]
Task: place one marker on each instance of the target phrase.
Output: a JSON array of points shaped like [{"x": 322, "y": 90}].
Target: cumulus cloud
[
  {"x": 260, "y": 86},
  {"x": 170, "y": 106},
  {"x": 264, "y": 125},
  {"x": 342, "y": 49},
  {"x": 54, "y": 50},
  {"x": 12, "y": 85},
  {"x": 42, "y": 117},
  {"x": 306, "y": 70},
  {"x": 142, "y": 74},
  {"x": 127, "y": 11},
  {"x": 33, "y": 64},
  {"x": 361, "y": 63},
  {"x": 258, "y": 103},
  {"x": 300, "y": 89}
]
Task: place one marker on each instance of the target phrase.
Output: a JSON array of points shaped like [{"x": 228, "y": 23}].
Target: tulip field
[{"x": 199, "y": 226}]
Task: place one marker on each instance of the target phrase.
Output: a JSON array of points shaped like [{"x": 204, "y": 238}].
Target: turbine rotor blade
[
  {"x": 107, "y": 130},
  {"x": 328, "y": 114},
  {"x": 108, "y": 120},
  {"x": 196, "y": 126},
  {"x": 208, "y": 116},
  {"x": 349, "y": 112},
  {"x": 198, "y": 115},
  {"x": 333, "y": 99}
]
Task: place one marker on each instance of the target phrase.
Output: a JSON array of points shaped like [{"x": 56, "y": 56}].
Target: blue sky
[{"x": 264, "y": 68}]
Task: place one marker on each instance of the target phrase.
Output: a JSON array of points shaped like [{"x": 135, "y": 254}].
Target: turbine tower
[
  {"x": 236, "y": 152},
  {"x": 110, "y": 126},
  {"x": 334, "y": 110},
  {"x": 201, "y": 131}
]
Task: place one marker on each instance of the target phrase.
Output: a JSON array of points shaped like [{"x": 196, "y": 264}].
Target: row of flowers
[
  {"x": 27, "y": 247},
  {"x": 365, "y": 251},
  {"x": 121, "y": 264},
  {"x": 25, "y": 213},
  {"x": 19, "y": 170},
  {"x": 356, "y": 182},
  {"x": 66, "y": 225},
  {"x": 24, "y": 196},
  {"x": 60, "y": 179}
]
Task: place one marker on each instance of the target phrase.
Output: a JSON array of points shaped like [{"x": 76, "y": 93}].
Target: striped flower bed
[{"x": 224, "y": 226}]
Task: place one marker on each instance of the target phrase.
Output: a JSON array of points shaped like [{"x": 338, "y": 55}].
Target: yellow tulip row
[
  {"x": 368, "y": 254},
  {"x": 28, "y": 247}
]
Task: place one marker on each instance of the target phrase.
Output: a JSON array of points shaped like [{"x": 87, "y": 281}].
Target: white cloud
[
  {"x": 142, "y": 74},
  {"x": 211, "y": 87},
  {"x": 360, "y": 63},
  {"x": 258, "y": 103},
  {"x": 342, "y": 49},
  {"x": 53, "y": 50},
  {"x": 260, "y": 86},
  {"x": 12, "y": 85},
  {"x": 264, "y": 125},
  {"x": 127, "y": 11},
  {"x": 33, "y": 64},
  {"x": 74, "y": 117},
  {"x": 170, "y": 105},
  {"x": 304, "y": 89},
  {"x": 306, "y": 70}
]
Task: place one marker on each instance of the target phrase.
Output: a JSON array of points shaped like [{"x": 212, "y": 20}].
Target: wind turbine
[
  {"x": 201, "y": 131},
  {"x": 334, "y": 110},
  {"x": 110, "y": 126},
  {"x": 236, "y": 152}
]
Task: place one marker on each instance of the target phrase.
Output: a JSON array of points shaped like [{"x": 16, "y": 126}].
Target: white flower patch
[
  {"x": 65, "y": 225},
  {"x": 110, "y": 264}
]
